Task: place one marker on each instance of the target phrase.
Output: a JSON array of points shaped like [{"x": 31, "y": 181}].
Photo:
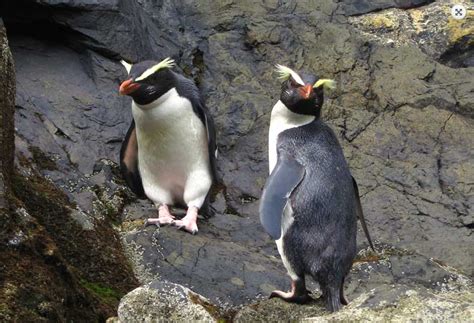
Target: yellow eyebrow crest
[
  {"x": 127, "y": 66},
  {"x": 166, "y": 63},
  {"x": 326, "y": 83},
  {"x": 284, "y": 73}
]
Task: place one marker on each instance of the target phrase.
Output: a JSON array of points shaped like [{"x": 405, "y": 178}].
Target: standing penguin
[
  {"x": 168, "y": 154},
  {"x": 310, "y": 202}
]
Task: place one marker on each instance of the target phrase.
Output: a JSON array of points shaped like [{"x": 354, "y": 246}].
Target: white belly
[
  {"x": 282, "y": 119},
  {"x": 173, "y": 154}
]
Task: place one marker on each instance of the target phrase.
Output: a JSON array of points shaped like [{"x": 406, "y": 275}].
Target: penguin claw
[
  {"x": 148, "y": 223},
  {"x": 158, "y": 221},
  {"x": 188, "y": 223},
  {"x": 186, "y": 229}
]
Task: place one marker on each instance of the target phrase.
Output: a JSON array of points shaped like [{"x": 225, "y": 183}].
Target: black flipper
[
  {"x": 360, "y": 214},
  {"x": 285, "y": 177},
  {"x": 129, "y": 162},
  {"x": 211, "y": 136}
]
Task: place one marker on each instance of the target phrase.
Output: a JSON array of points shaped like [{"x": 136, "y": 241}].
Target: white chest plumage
[
  {"x": 172, "y": 150},
  {"x": 282, "y": 119}
]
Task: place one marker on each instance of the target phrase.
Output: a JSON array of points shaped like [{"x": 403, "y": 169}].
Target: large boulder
[{"x": 164, "y": 301}]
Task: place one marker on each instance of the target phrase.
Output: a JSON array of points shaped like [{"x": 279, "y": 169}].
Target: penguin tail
[
  {"x": 333, "y": 300},
  {"x": 360, "y": 214}
]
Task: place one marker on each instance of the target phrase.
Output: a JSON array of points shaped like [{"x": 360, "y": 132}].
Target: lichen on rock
[{"x": 162, "y": 301}]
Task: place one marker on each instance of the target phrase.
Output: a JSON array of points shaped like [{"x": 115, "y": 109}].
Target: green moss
[
  {"x": 81, "y": 256},
  {"x": 41, "y": 159},
  {"x": 5, "y": 313},
  {"x": 104, "y": 293}
]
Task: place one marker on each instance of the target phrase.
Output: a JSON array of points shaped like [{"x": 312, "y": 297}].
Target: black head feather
[
  {"x": 154, "y": 85},
  {"x": 293, "y": 95}
]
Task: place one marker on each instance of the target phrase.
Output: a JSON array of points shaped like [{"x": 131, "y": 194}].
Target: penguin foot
[
  {"x": 159, "y": 221},
  {"x": 291, "y": 297},
  {"x": 299, "y": 294},
  {"x": 187, "y": 225},
  {"x": 189, "y": 222},
  {"x": 164, "y": 217}
]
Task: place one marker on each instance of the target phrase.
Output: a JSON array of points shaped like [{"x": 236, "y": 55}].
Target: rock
[
  {"x": 163, "y": 301},
  {"x": 398, "y": 286},
  {"x": 7, "y": 108},
  {"x": 77, "y": 277},
  {"x": 442, "y": 306},
  {"x": 359, "y": 7},
  {"x": 230, "y": 261},
  {"x": 429, "y": 28}
]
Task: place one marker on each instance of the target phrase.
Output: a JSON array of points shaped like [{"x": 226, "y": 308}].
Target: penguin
[
  {"x": 168, "y": 154},
  {"x": 310, "y": 202}
]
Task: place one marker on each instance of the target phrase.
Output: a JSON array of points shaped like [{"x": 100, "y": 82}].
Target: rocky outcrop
[
  {"x": 54, "y": 264},
  {"x": 393, "y": 284},
  {"x": 7, "y": 108},
  {"x": 403, "y": 112},
  {"x": 165, "y": 301}
]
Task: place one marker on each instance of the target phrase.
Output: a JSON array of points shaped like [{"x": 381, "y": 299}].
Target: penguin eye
[{"x": 293, "y": 83}]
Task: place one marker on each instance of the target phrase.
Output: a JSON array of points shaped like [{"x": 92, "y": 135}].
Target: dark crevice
[
  {"x": 461, "y": 55},
  {"x": 470, "y": 226},
  {"x": 19, "y": 22},
  {"x": 361, "y": 7}
]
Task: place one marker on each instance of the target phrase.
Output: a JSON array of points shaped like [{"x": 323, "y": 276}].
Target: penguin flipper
[
  {"x": 211, "y": 140},
  {"x": 129, "y": 162},
  {"x": 286, "y": 176},
  {"x": 360, "y": 213}
]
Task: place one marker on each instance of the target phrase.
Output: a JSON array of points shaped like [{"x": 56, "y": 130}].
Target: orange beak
[
  {"x": 128, "y": 87},
  {"x": 306, "y": 91}
]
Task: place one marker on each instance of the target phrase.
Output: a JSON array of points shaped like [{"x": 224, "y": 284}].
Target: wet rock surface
[
  {"x": 230, "y": 261},
  {"x": 403, "y": 113}
]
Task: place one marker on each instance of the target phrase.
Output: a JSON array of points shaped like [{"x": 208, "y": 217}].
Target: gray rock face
[{"x": 403, "y": 113}]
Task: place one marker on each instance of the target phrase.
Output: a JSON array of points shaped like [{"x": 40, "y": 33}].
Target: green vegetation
[{"x": 104, "y": 293}]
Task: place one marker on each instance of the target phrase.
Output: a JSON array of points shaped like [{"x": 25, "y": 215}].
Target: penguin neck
[{"x": 283, "y": 119}]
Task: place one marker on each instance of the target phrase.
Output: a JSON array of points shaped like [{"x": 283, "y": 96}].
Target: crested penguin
[
  {"x": 169, "y": 151},
  {"x": 310, "y": 202}
]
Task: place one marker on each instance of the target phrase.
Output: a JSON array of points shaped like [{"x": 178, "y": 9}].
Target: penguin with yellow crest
[
  {"x": 168, "y": 154},
  {"x": 310, "y": 202}
]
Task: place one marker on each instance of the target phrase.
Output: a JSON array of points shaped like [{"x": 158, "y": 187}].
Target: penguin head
[
  {"x": 302, "y": 93},
  {"x": 147, "y": 80}
]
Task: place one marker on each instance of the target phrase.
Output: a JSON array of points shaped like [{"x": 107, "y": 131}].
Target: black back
[
  {"x": 129, "y": 162},
  {"x": 324, "y": 203}
]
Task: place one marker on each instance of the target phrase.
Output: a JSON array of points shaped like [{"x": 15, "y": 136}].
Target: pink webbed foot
[
  {"x": 298, "y": 293},
  {"x": 189, "y": 222},
  {"x": 164, "y": 217}
]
